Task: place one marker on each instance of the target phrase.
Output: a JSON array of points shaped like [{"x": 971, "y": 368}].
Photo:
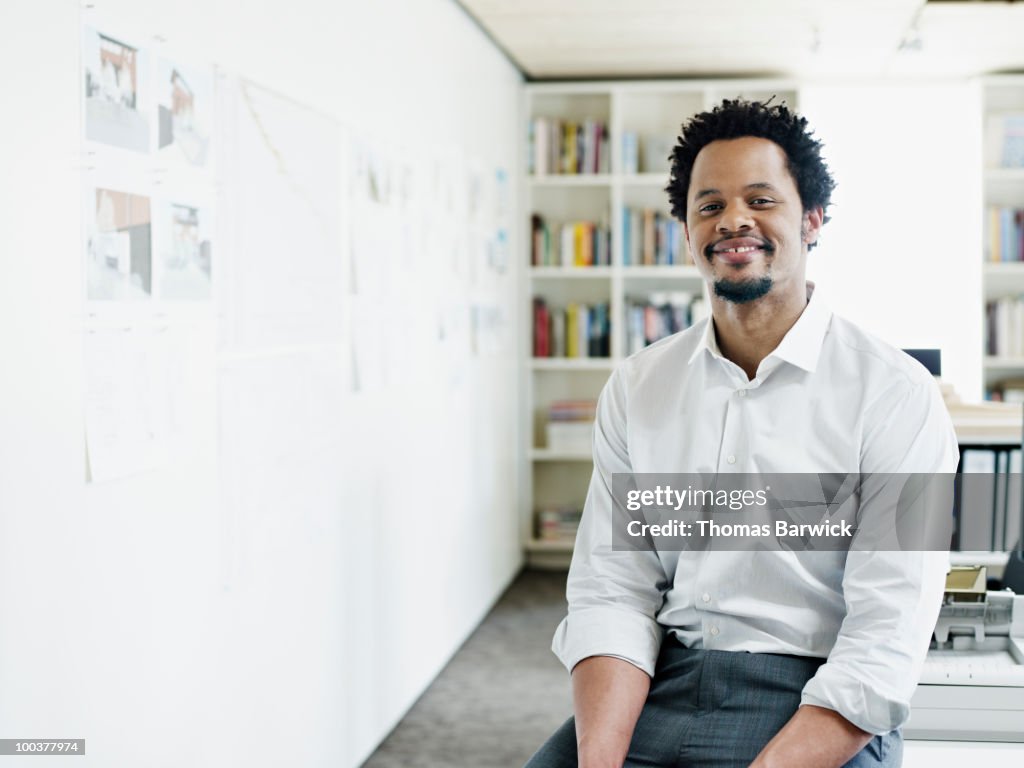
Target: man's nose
[{"x": 735, "y": 218}]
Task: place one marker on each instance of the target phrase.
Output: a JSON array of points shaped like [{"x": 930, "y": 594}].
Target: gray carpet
[{"x": 501, "y": 695}]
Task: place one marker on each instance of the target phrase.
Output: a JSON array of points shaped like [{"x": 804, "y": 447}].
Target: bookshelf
[
  {"x": 639, "y": 122},
  {"x": 1003, "y": 253}
]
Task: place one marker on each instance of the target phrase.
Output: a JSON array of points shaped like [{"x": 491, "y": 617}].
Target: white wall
[
  {"x": 169, "y": 619},
  {"x": 902, "y": 254}
]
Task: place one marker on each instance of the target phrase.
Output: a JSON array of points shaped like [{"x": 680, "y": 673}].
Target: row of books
[
  {"x": 650, "y": 237},
  {"x": 570, "y": 425},
  {"x": 646, "y": 154},
  {"x": 1004, "y": 327},
  {"x": 574, "y": 243},
  {"x": 558, "y": 523},
  {"x": 572, "y": 410},
  {"x": 661, "y": 315},
  {"x": 578, "y": 330},
  {"x": 1004, "y": 234},
  {"x": 1005, "y": 140},
  {"x": 567, "y": 146}
]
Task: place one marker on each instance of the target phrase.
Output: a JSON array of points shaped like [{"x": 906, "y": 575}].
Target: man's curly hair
[{"x": 736, "y": 118}]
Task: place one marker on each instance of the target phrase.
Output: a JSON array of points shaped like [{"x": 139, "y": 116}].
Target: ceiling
[{"x": 559, "y": 39}]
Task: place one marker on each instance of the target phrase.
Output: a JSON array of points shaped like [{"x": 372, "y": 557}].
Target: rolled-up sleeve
[
  {"x": 614, "y": 596},
  {"x": 892, "y": 597}
]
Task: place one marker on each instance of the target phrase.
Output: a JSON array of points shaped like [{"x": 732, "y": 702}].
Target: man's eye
[
  {"x": 762, "y": 201},
  {"x": 710, "y": 208}
]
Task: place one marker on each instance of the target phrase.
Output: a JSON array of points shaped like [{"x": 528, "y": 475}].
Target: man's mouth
[{"x": 737, "y": 250}]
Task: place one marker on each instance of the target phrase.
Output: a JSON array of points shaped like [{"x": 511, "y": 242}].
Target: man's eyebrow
[
  {"x": 713, "y": 191},
  {"x": 706, "y": 192}
]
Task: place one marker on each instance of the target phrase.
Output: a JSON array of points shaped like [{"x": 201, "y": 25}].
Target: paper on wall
[{"x": 126, "y": 402}]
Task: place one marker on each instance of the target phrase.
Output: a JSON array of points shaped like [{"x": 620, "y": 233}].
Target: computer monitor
[{"x": 929, "y": 358}]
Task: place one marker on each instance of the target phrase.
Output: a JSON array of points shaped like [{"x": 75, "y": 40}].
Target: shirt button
[
  {"x": 706, "y": 597},
  {"x": 742, "y": 392},
  {"x": 714, "y": 631},
  {"x": 731, "y": 459}
]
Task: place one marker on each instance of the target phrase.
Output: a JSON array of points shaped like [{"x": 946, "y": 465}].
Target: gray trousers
[{"x": 716, "y": 709}]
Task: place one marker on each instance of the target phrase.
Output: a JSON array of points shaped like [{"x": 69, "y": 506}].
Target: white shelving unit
[
  {"x": 1002, "y": 187},
  {"x": 654, "y": 111}
]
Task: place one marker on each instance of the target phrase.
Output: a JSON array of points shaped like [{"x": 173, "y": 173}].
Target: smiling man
[{"x": 764, "y": 658}]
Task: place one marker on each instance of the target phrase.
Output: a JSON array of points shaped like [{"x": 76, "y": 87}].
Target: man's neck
[{"x": 748, "y": 333}]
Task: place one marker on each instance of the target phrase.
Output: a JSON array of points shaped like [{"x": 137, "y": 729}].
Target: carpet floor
[{"x": 501, "y": 695}]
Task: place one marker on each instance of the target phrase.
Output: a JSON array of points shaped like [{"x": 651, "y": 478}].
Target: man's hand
[
  {"x": 814, "y": 737},
  {"x": 608, "y": 695}
]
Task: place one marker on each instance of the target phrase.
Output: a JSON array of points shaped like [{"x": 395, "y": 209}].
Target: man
[{"x": 760, "y": 658}]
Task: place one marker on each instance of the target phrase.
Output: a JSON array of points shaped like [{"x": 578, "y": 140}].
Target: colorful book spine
[
  {"x": 567, "y": 146},
  {"x": 572, "y": 337},
  {"x": 651, "y": 238},
  {"x": 1004, "y": 327},
  {"x": 583, "y": 330},
  {"x": 1004, "y": 234},
  {"x": 541, "y": 339},
  {"x": 578, "y": 331},
  {"x": 558, "y": 334},
  {"x": 660, "y": 315},
  {"x": 558, "y": 524},
  {"x": 1012, "y": 155}
]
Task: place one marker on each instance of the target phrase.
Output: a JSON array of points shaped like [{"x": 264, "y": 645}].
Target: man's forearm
[
  {"x": 814, "y": 737},
  {"x": 608, "y": 695}
]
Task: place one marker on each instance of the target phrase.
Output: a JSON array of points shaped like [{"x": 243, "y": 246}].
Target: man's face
[{"x": 745, "y": 224}]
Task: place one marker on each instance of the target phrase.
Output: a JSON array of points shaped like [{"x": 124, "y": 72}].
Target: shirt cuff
[
  {"x": 834, "y": 689},
  {"x": 627, "y": 635}
]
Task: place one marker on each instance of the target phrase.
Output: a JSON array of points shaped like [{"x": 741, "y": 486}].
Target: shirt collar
[
  {"x": 707, "y": 341},
  {"x": 801, "y": 346}
]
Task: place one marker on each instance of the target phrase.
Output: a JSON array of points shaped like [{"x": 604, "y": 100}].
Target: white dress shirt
[{"x": 830, "y": 398}]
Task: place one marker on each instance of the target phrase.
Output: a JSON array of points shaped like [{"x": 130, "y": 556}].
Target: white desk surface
[{"x": 957, "y": 754}]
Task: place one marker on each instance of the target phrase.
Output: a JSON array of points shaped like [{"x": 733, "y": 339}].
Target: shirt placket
[{"x": 730, "y": 458}]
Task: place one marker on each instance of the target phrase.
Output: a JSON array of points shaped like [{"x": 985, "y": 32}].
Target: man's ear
[
  {"x": 813, "y": 219},
  {"x": 686, "y": 236}
]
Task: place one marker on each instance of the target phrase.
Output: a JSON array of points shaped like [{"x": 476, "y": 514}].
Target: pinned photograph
[
  {"x": 115, "y": 94},
  {"x": 184, "y": 111},
  {"x": 183, "y": 251},
  {"x": 120, "y": 264}
]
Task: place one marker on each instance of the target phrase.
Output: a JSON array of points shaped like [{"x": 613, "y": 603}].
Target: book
[
  {"x": 541, "y": 338},
  {"x": 1012, "y": 154},
  {"x": 1004, "y": 140},
  {"x": 1005, "y": 235},
  {"x": 577, "y": 331},
  {"x": 540, "y": 152},
  {"x": 572, "y": 410},
  {"x": 570, "y": 425},
  {"x": 539, "y": 251},
  {"x": 583, "y": 330},
  {"x": 653, "y": 318},
  {"x": 569, "y": 148},
  {"x": 558, "y": 523},
  {"x": 649, "y": 248},
  {"x": 557, "y": 334},
  {"x": 604, "y": 158},
  {"x": 572, "y": 332},
  {"x": 651, "y": 238},
  {"x": 630, "y": 152},
  {"x": 1004, "y": 327}
]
